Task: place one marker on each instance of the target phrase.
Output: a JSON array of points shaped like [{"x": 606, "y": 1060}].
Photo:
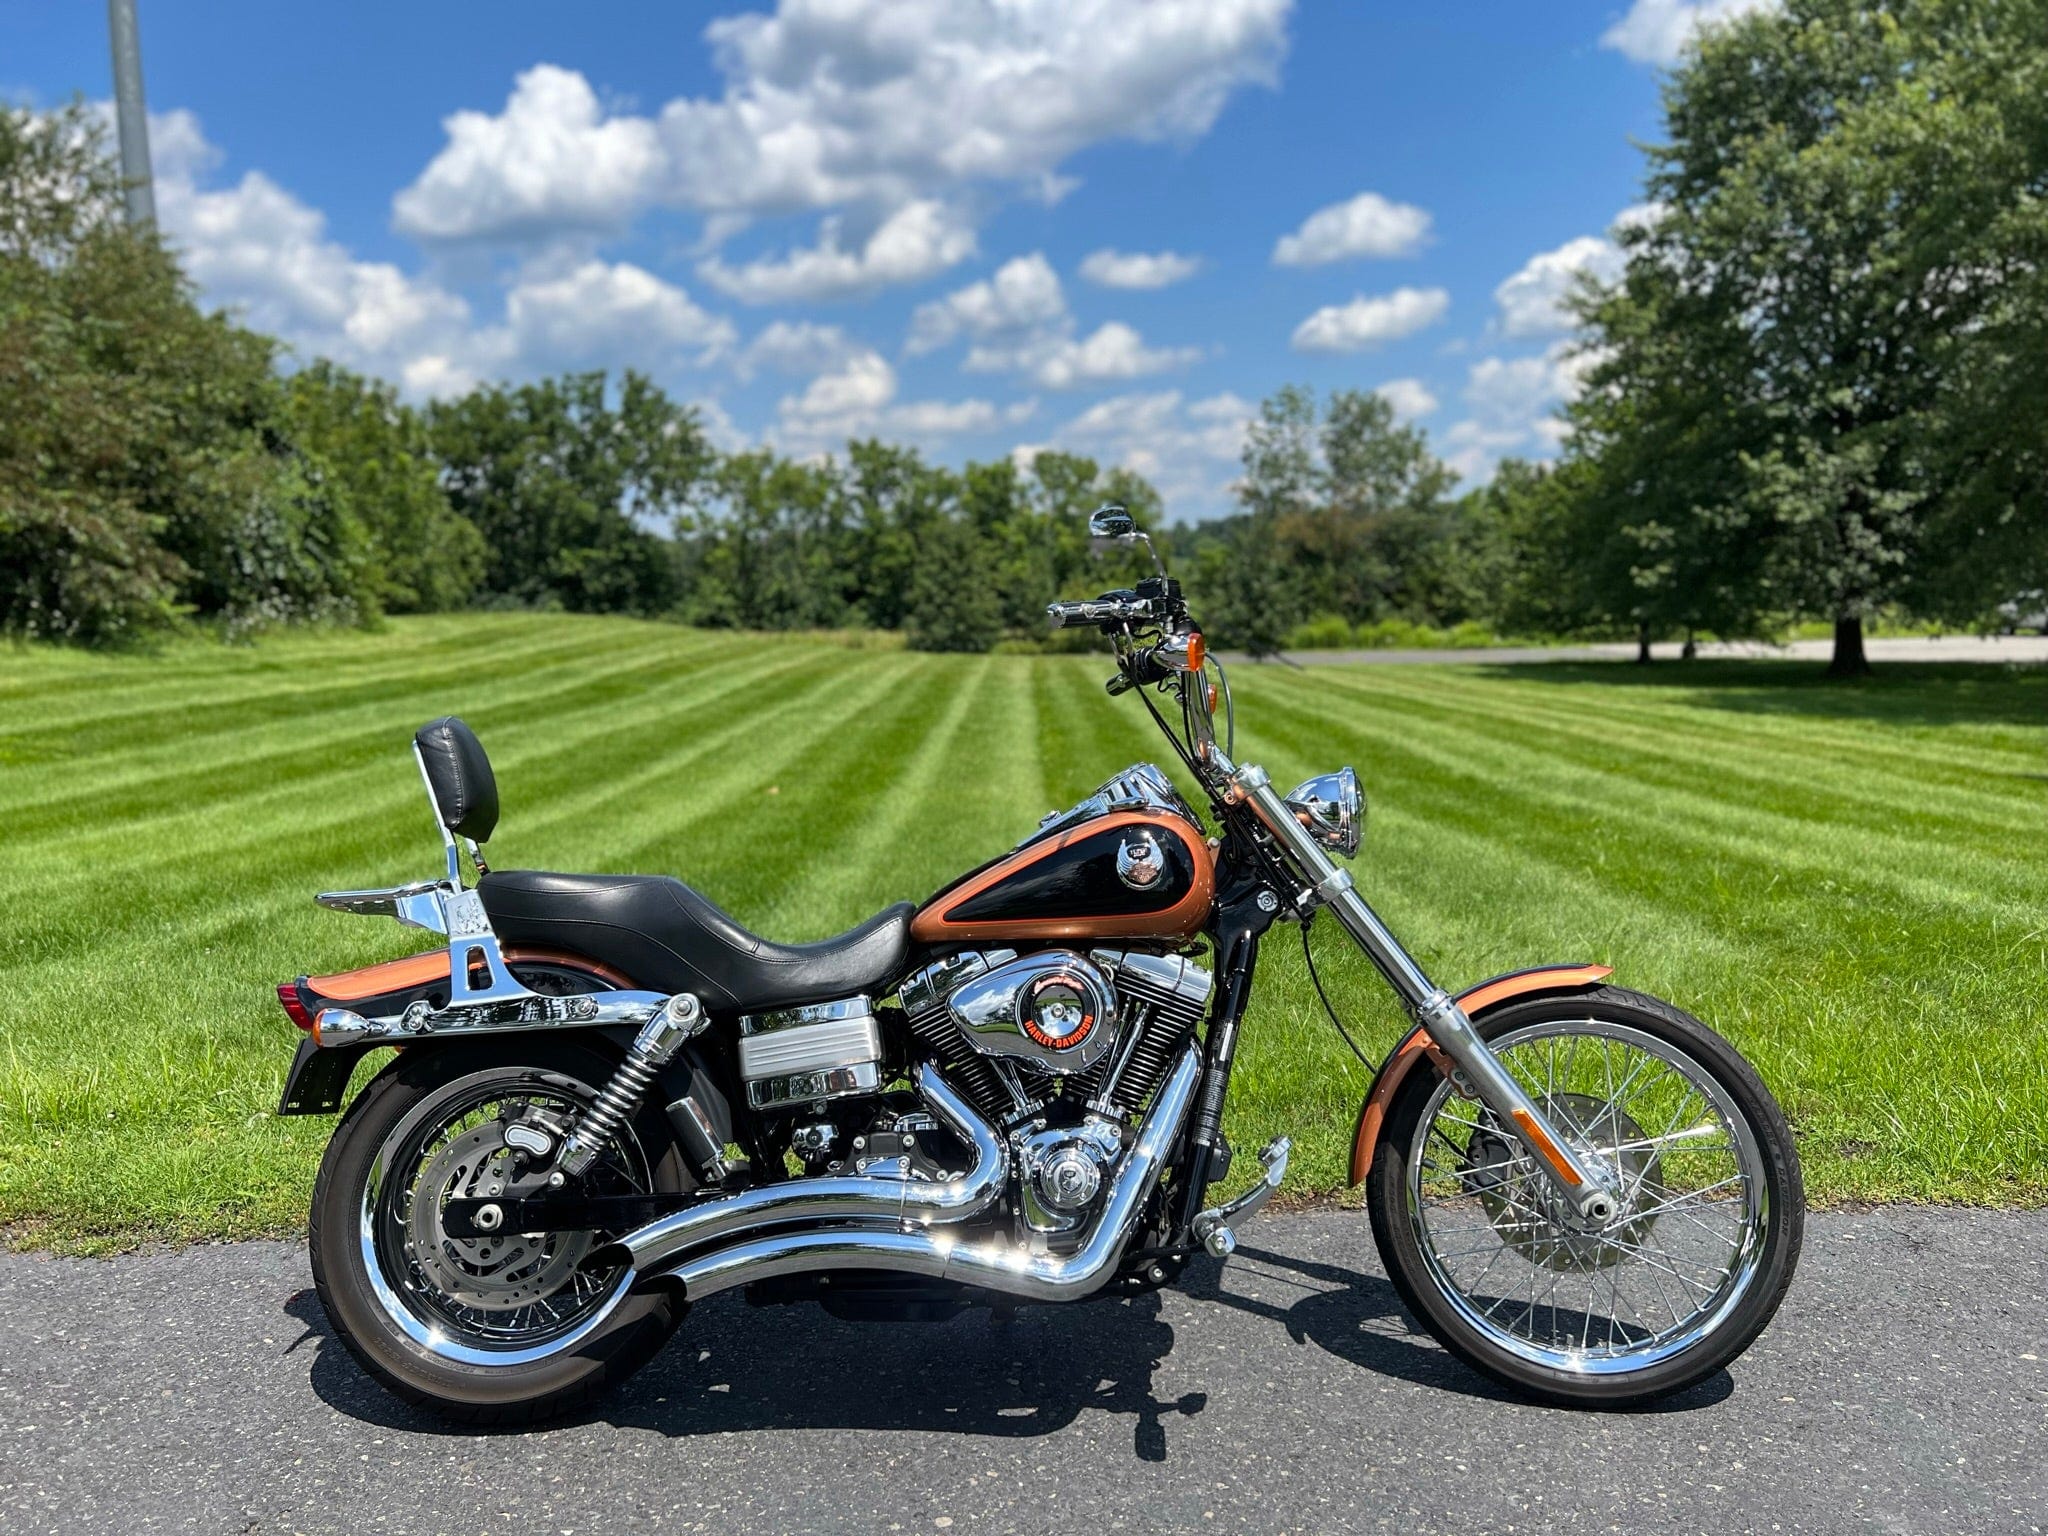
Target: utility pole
[{"x": 130, "y": 115}]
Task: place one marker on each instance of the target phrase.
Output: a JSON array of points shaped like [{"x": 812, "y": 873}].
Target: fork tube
[
  {"x": 1432, "y": 1007},
  {"x": 1205, "y": 1124}
]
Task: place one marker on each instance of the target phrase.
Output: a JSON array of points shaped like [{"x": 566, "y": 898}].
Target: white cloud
[
  {"x": 834, "y": 103},
  {"x": 1655, "y": 31},
  {"x": 1368, "y": 225},
  {"x": 1513, "y": 404},
  {"x": 797, "y": 347},
  {"x": 1119, "y": 269},
  {"x": 917, "y": 241},
  {"x": 1532, "y": 300},
  {"x": 1059, "y": 361},
  {"x": 1190, "y": 450},
  {"x": 860, "y": 387},
  {"x": 1410, "y": 398},
  {"x": 1024, "y": 293},
  {"x": 1366, "y": 323},
  {"x": 1018, "y": 322},
  {"x": 608, "y": 315},
  {"x": 258, "y": 250},
  {"x": 551, "y": 163},
  {"x": 255, "y": 248},
  {"x": 858, "y": 398}
]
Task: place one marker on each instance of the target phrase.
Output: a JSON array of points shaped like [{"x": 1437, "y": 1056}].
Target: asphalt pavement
[
  {"x": 2009, "y": 649},
  {"x": 1904, "y": 1388}
]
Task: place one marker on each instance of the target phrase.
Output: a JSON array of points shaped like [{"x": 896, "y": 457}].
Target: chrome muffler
[
  {"x": 944, "y": 1254},
  {"x": 840, "y": 1198}
]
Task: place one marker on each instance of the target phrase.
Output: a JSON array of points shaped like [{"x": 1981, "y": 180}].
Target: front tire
[
  {"x": 1690, "y": 1269},
  {"x": 487, "y": 1334}
]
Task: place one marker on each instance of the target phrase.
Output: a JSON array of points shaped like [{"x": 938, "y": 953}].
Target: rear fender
[
  {"x": 318, "y": 1077},
  {"x": 1416, "y": 1047}
]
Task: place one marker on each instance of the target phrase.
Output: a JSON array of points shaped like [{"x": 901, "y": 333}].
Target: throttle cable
[{"x": 1329, "y": 1007}]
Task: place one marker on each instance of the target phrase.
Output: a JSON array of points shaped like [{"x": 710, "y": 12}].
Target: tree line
[{"x": 1818, "y": 389}]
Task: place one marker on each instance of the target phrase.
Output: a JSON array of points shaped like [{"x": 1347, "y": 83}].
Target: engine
[
  {"x": 1058, "y": 1049},
  {"x": 1014, "y": 1031},
  {"x": 1062, "y": 1049}
]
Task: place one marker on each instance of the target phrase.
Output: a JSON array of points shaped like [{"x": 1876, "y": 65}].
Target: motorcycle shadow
[
  {"x": 733, "y": 1368},
  {"x": 1361, "y": 1319}
]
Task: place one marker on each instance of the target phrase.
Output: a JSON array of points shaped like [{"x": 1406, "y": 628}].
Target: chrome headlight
[{"x": 1332, "y": 807}]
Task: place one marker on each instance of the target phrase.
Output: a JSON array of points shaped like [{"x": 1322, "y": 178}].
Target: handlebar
[{"x": 1110, "y": 608}]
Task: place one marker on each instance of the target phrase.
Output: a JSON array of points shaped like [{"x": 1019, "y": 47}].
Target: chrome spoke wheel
[
  {"x": 508, "y": 1298},
  {"x": 1517, "y": 1262}
]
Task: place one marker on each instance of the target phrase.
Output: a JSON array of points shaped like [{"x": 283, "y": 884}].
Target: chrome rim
[
  {"x": 1523, "y": 1270},
  {"x": 507, "y": 1300}
]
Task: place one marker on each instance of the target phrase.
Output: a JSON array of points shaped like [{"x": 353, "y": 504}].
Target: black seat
[{"x": 670, "y": 939}]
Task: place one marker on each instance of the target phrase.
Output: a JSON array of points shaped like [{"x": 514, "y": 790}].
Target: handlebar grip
[{"x": 1098, "y": 610}]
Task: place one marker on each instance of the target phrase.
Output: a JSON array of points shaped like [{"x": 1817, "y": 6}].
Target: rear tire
[
  {"x": 1417, "y": 1172},
  {"x": 385, "y": 1316}
]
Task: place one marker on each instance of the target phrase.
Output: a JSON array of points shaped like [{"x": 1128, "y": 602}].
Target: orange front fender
[{"x": 1417, "y": 1047}]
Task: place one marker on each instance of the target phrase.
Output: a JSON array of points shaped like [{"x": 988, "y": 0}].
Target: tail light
[{"x": 294, "y": 1004}]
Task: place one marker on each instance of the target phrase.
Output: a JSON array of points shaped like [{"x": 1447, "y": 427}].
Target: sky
[{"x": 984, "y": 227}]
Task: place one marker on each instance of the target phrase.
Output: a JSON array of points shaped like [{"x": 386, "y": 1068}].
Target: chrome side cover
[{"x": 799, "y": 1055}]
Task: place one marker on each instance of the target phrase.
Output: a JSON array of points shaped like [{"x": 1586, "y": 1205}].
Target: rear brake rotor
[
  {"x": 1531, "y": 1214},
  {"x": 498, "y": 1273}
]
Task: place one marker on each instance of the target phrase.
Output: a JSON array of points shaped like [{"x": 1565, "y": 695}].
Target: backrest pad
[{"x": 459, "y": 775}]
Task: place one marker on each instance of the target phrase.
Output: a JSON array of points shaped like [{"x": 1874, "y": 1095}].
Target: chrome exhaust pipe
[
  {"x": 840, "y": 1198},
  {"x": 945, "y": 1255}
]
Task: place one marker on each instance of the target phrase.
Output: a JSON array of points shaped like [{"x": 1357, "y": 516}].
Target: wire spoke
[{"x": 1662, "y": 1129}]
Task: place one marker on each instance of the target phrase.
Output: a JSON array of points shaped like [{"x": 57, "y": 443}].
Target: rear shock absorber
[{"x": 681, "y": 1019}]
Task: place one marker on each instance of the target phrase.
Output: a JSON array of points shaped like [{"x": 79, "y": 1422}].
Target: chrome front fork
[{"x": 1584, "y": 1182}]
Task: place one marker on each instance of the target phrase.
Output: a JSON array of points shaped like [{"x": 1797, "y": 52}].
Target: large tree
[{"x": 1816, "y": 388}]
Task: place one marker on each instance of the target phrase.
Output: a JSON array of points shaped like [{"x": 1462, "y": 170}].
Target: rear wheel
[
  {"x": 1683, "y": 1277},
  {"x": 504, "y": 1328}
]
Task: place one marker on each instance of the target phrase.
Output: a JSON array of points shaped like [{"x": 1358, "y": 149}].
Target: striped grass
[{"x": 1846, "y": 880}]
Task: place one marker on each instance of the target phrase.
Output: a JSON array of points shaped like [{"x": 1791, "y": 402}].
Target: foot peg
[{"x": 1213, "y": 1226}]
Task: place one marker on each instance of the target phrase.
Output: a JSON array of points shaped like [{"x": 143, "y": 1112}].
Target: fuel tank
[{"x": 1128, "y": 862}]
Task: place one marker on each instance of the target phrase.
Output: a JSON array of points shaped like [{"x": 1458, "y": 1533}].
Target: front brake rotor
[
  {"x": 503, "y": 1271},
  {"x": 1532, "y": 1216}
]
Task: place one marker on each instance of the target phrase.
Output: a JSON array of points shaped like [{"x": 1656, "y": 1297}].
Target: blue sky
[{"x": 848, "y": 216}]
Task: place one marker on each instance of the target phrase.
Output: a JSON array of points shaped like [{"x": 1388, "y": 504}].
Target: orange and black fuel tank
[{"x": 1095, "y": 873}]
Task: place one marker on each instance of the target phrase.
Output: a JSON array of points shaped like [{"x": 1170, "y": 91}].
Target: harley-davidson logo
[{"x": 1139, "y": 863}]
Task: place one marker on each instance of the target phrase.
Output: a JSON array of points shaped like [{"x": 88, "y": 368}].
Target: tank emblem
[{"x": 1139, "y": 863}]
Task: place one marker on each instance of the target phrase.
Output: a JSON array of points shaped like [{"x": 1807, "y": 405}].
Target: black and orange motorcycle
[{"x": 609, "y": 1099}]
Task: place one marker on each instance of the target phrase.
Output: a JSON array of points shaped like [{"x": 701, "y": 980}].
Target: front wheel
[
  {"x": 500, "y": 1329},
  {"x": 1505, "y": 1273}
]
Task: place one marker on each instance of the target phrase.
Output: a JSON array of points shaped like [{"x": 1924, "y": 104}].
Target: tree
[
  {"x": 1347, "y": 513},
  {"x": 375, "y": 457},
  {"x": 1805, "y": 367},
  {"x": 146, "y": 467},
  {"x": 567, "y": 486}
]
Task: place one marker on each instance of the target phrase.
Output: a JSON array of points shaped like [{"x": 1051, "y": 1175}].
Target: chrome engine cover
[
  {"x": 803, "y": 1055},
  {"x": 1053, "y": 1008},
  {"x": 1061, "y": 1170}
]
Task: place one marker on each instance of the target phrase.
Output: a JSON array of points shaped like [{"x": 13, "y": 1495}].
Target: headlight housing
[{"x": 1332, "y": 807}]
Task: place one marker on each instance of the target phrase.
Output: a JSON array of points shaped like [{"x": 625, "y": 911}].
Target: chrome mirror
[
  {"x": 1332, "y": 807},
  {"x": 1112, "y": 523},
  {"x": 1112, "y": 526}
]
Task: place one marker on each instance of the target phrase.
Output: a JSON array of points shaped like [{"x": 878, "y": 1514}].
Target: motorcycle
[{"x": 610, "y": 1100}]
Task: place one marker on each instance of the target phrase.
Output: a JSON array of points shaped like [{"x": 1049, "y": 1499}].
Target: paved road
[
  {"x": 1904, "y": 1388},
  {"x": 1996, "y": 648}
]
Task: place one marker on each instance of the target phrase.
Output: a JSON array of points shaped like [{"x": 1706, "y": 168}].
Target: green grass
[{"x": 1847, "y": 880}]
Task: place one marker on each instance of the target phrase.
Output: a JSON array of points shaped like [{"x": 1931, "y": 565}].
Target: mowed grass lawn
[{"x": 1848, "y": 881}]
